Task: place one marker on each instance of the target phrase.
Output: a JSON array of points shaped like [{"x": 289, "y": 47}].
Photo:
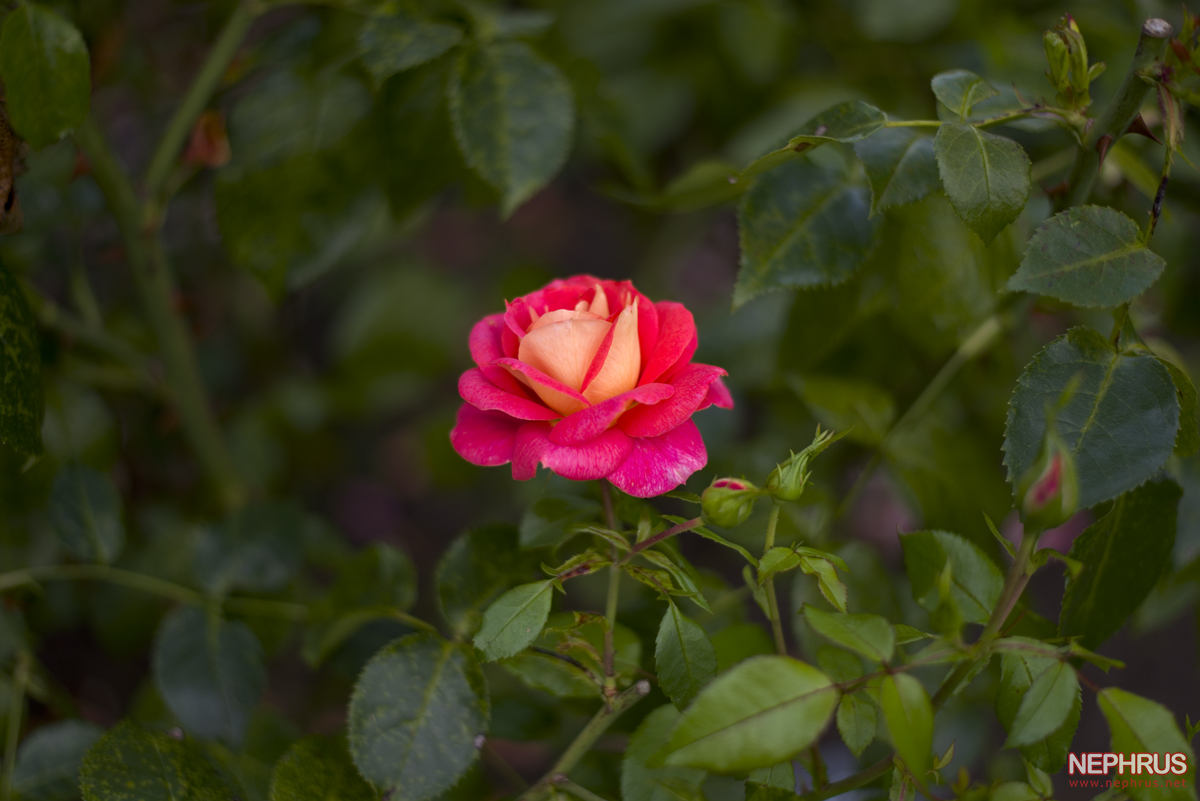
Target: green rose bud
[
  {"x": 1048, "y": 493},
  {"x": 1058, "y": 56},
  {"x": 728, "y": 502}
]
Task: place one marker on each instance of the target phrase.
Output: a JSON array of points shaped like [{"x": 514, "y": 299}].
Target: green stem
[
  {"x": 155, "y": 284},
  {"x": 979, "y": 341},
  {"x": 152, "y": 586},
  {"x": 614, "y": 590},
  {"x": 863, "y": 777},
  {"x": 772, "y": 600},
  {"x": 586, "y": 738},
  {"x": 1124, "y": 107},
  {"x": 579, "y": 792},
  {"x": 1014, "y": 585},
  {"x": 198, "y": 96},
  {"x": 58, "y": 319},
  {"x": 16, "y": 709}
]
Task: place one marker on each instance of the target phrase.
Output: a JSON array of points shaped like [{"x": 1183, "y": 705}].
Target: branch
[
  {"x": 198, "y": 96},
  {"x": 155, "y": 284},
  {"x": 649, "y": 542},
  {"x": 1124, "y": 107},
  {"x": 584, "y": 741}
]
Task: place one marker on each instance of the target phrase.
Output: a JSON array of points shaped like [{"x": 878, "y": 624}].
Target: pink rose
[{"x": 592, "y": 380}]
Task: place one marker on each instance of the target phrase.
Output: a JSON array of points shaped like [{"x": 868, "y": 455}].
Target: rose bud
[
  {"x": 1049, "y": 491},
  {"x": 593, "y": 380},
  {"x": 728, "y": 502}
]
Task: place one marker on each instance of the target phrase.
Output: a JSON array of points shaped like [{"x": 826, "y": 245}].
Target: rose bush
[{"x": 592, "y": 380}]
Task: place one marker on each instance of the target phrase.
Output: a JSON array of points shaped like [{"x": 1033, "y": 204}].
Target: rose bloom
[{"x": 592, "y": 380}]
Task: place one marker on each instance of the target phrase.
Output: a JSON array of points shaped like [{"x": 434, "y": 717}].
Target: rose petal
[
  {"x": 477, "y": 390},
  {"x": 590, "y": 460},
  {"x": 564, "y": 349},
  {"x": 660, "y": 464},
  {"x": 676, "y": 332},
  {"x": 591, "y": 422},
  {"x": 718, "y": 395},
  {"x": 622, "y": 363},
  {"x": 557, "y": 395},
  {"x": 691, "y": 386},
  {"x": 484, "y": 438},
  {"x": 485, "y": 340}
]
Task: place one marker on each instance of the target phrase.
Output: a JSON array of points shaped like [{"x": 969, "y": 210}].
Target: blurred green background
[{"x": 331, "y": 272}]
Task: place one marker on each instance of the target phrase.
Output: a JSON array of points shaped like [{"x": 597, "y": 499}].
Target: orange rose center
[{"x": 563, "y": 344}]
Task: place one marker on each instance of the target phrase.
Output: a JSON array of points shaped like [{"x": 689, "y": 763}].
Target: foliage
[{"x": 242, "y": 560}]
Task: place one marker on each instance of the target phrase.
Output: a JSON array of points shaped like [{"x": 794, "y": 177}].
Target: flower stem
[
  {"x": 198, "y": 96},
  {"x": 586, "y": 738},
  {"x": 772, "y": 601},
  {"x": 614, "y": 589},
  {"x": 16, "y": 709}
]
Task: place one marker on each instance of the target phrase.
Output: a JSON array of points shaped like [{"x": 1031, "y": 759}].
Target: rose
[{"x": 592, "y": 380}]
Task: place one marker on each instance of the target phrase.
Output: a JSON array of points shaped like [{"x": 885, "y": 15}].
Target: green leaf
[
  {"x": 1091, "y": 256},
  {"x": 133, "y": 763},
  {"x": 546, "y": 521},
  {"x": 85, "y": 511},
  {"x": 555, "y": 676},
  {"x": 1120, "y": 423},
  {"x": 258, "y": 548},
  {"x": 210, "y": 673},
  {"x": 857, "y": 722},
  {"x": 760, "y": 713},
  {"x": 909, "y": 718},
  {"x": 986, "y": 177},
  {"x": 1046, "y": 706},
  {"x": 22, "y": 404},
  {"x": 1187, "y": 441},
  {"x": 1018, "y": 669},
  {"x": 1140, "y": 726},
  {"x": 781, "y": 776},
  {"x": 960, "y": 90},
  {"x": 513, "y": 117},
  {"x": 397, "y": 39},
  {"x": 840, "y": 666},
  {"x": 48, "y": 760},
  {"x": 861, "y": 409},
  {"x": 801, "y": 226},
  {"x": 317, "y": 769},
  {"x": 846, "y": 122},
  {"x": 1124, "y": 554},
  {"x": 514, "y": 620},
  {"x": 376, "y": 582},
  {"x": 976, "y": 580},
  {"x": 869, "y": 635},
  {"x": 684, "y": 657},
  {"x": 901, "y": 166},
  {"x": 639, "y": 781},
  {"x": 414, "y": 716},
  {"x": 46, "y": 72},
  {"x": 738, "y": 643},
  {"x": 476, "y": 568}
]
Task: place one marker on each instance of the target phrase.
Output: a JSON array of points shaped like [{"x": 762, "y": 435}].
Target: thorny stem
[
  {"x": 649, "y": 542},
  {"x": 164, "y": 589},
  {"x": 139, "y": 224},
  {"x": 772, "y": 600},
  {"x": 16, "y": 709},
  {"x": 1120, "y": 112},
  {"x": 586, "y": 738}
]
